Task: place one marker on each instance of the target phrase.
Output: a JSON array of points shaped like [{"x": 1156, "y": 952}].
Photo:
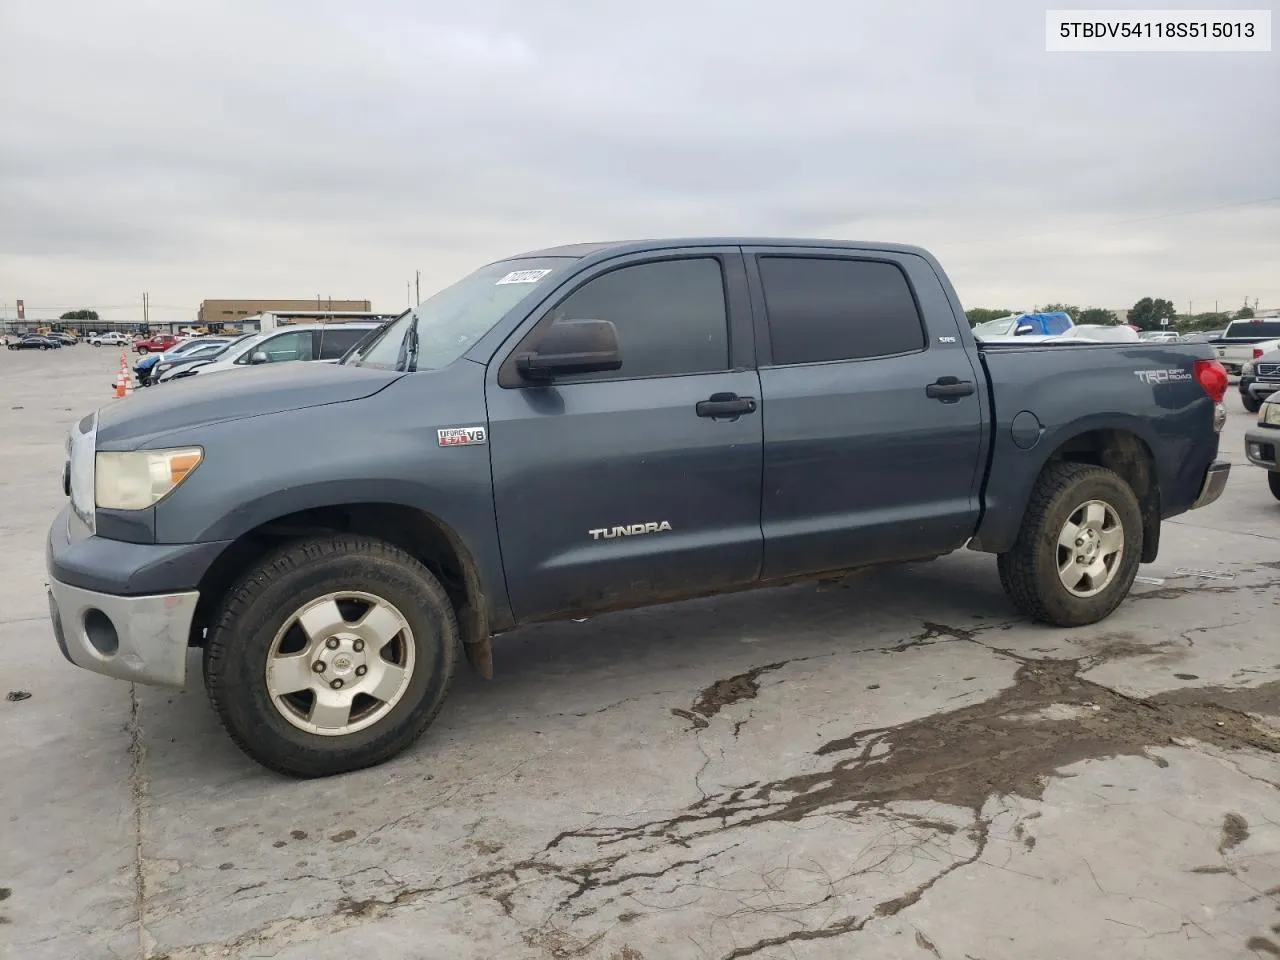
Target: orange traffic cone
[{"x": 124, "y": 382}]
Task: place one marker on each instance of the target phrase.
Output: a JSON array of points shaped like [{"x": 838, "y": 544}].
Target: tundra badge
[
  {"x": 630, "y": 530},
  {"x": 462, "y": 436}
]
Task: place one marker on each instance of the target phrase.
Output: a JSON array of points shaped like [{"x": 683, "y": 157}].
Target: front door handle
[
  {"x": 949, "y": 389},
  {"x": 726, "y": 405}
]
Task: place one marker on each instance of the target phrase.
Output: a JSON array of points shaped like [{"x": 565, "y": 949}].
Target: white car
[
  {"x": 324, "y": 342},
  {"x": 109, "y": 340}
]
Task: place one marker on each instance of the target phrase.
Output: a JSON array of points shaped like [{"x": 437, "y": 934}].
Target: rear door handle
[
  {"x": 948, "y": 389},
  {"x": 726, "y": 405}
]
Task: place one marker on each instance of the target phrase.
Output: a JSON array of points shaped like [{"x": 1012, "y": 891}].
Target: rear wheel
[
  {"x": 1250, "y": 403},
  {"x": 1273, "y": 481},
  {"x": 1079, "y": 548},
  {"x": 332, "y": 655}
]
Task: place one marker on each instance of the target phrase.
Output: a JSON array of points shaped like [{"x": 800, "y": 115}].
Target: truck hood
[{"x": 253, "y": 392}]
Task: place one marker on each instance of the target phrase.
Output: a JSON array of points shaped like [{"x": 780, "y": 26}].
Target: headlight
[
  {"x": 1246, "y": 370},
  {"x": 139, "y": 478},
  {"x": 1269, "y": 415},
  {"x": 161, "y": 367}
]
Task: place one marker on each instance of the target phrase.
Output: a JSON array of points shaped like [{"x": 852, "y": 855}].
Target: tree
[
  {"x": 1097, "y": 315},
  {"x": 1147, "y": 313},
  {"x": 1244, "y": 313},
  {"x": 979, "y": 315},
  {"x": 1066, "y": 308},
  {"x": 80, "y": 315}
]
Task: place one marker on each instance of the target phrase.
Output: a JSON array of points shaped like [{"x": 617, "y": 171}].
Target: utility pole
[
  {"x": 408, "y": 294},
  {"x": 146, "y": 309},
  {"x": 417, "y": 285}
]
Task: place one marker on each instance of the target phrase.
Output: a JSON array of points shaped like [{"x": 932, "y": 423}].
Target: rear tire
[
  {"x": 1273, "y": 481},
  {"x": 1077, "y": 510},
  {"x": 260, "y": 617},
  {"x": 1250, "y": 403}
]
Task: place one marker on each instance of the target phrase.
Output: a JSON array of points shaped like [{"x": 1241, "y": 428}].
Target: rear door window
[
  {"x": 338, "y": 340},
  {"x": 825, "y": 309}
]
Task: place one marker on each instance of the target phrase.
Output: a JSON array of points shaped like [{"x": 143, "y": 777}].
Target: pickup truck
[
  {"x": 1235, "y": 347},
  {"x": 158, "y": 344},
  {"x": 591, "y": 428}
]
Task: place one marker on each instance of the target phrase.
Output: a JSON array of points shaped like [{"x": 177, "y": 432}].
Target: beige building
[{"x": 234, "y": 311}]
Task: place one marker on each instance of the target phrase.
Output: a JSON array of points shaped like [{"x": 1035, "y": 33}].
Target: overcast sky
[{"x": 288, "y": 148}]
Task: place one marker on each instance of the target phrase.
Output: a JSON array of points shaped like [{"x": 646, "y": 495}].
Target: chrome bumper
[
  {"x": 1263, "y": 388},
  {"x": 143, "y": 639},
  {"x": 1215, "y": 481}
]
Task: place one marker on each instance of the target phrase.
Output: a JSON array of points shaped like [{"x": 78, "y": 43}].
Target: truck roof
[{"x": 615, "y": 247}]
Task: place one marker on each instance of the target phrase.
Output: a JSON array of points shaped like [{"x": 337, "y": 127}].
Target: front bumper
[
  {"x": 143, "y": 639},
  {"x": 124, "y": 609},
  {"x": 1258, "y": 388},
  {"x": 1260, "y": 445},
  {"x": 1215, "y": 481}
]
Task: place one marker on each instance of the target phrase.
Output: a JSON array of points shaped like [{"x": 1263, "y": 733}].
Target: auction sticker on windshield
[{"x": 524, "y": 276}]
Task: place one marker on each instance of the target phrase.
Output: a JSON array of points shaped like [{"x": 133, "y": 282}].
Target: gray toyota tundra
[{"x": 597, "y": 427}]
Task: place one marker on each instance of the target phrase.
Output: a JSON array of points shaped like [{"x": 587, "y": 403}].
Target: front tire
[
  {"x": 331, "y": 655},
  {"x": 1251, "y": 403},
  {"x": 1079, "y": 547},
  {"x": 1273, "y": 481}
]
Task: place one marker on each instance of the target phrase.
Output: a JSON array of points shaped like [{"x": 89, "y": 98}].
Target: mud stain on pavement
[
  {"x": 722, "y": 693},
  {"x": 1235, "y": 831}
]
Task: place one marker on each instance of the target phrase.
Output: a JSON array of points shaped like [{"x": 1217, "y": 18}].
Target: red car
[{"x": 156, "y": 344}]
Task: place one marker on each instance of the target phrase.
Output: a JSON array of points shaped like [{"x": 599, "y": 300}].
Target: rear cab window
[{"x": 1256, "y": 329}]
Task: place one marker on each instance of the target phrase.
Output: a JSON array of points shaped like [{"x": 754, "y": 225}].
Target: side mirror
[
  {"x": 1024, "y": 329},
  {"x": 258, "y": 357},
  {"x": 571, "y": 347}
]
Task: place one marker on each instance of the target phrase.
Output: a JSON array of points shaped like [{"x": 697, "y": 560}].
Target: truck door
[
  {"x": 631, "y": 486},
  {"x": 873, "y": 416}
]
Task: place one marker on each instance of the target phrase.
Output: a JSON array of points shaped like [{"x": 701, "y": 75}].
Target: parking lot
[{"x": 892, "y": 765}]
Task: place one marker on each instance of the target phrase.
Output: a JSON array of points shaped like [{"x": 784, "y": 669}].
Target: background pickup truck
[
  {"x": 597, "y": 427},
  {"x": 157, "y": 344},
  {"x": 1236, "y": 346}
]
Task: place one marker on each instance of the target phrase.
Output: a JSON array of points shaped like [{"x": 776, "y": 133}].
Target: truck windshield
[
  {"x": 442, "y": 327},
  {"x": 1268, "y": 329}
]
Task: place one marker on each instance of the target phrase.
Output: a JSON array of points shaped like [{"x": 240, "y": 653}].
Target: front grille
[{"x": 1267, "y": 369}]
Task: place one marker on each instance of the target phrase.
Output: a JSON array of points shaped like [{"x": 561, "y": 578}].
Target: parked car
[
  {"x": 154, "y": 363},
  {"x": 157, "y": 344},
  {"x": 108, "y": 340},
  {"x": 34, "y": 342},
  {"x": 207, "y": 349},
  {"x": 1159, "y": 336},
  {"x": 1262, "y": 440},
  {"x": 615, "y": 425},
  {"x": 325, "y": 342},
  {"x": 1235, "y": 347},
  {"x": 66, "y": 339},
  {"x": 1260, "y": 376},
  {"x": 1024, "y": 325}
]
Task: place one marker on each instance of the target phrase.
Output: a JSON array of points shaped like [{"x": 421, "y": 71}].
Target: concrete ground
[{"x": 891, "y": 766}]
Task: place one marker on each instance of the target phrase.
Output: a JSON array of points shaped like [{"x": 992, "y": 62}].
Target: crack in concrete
[
  {"x": 1013, "y": 743},
  {"x": 138, "y": 793}
]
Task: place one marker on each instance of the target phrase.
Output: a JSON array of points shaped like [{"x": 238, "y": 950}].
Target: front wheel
[
  {"x": 331, "y": 655},
  {"x": 143, "y": 351},
  {"x": 1079, "y": 547},
  {"x": 1251, "y": 403},
  {"x": 1273, "y": 481}
]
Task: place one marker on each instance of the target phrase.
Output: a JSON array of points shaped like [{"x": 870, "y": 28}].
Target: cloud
[{"x": 287, "y": 148}]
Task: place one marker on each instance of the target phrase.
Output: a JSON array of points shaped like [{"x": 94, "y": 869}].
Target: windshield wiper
[{"x": 407, "y": 359}]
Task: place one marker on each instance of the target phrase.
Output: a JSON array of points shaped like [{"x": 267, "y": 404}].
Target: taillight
[
  {"x": 1212, "y": 377},
  {"x": 1256, "y": 353}
]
